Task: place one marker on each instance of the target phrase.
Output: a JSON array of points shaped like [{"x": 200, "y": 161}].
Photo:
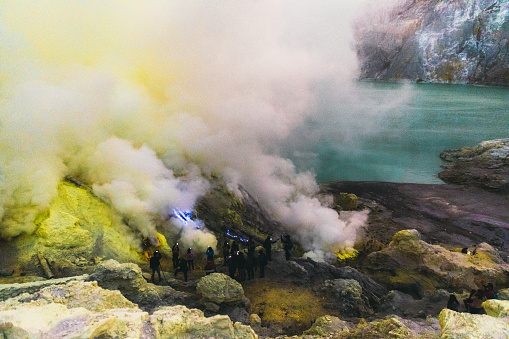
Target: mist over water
[{"x": 395, "y": 132}]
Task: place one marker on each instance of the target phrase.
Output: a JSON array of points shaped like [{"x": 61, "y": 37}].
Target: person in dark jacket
[
  {"x": 234, "y": 248},
  {"x": 226, "y": 252},
  {"x": 241, "y": 265},
  {"x": 288, "y": 245},
  {"x": 453, "y": 303},
  {"x": 175, "y": 251},
  {"x": 182, "y": 267},
  {"x": 232, "y": 266},
  {"x": 210, "y": 254},
  {"x": 155, "y": 265},
  {"x": 250, "y": 265},
  {"x": 267, "y": 244},
  {"x": 262, "y": 261},
  {"x": 251, "y": 246}
]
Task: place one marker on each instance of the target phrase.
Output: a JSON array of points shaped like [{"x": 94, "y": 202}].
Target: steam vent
[{"x": 254, "y": 169}]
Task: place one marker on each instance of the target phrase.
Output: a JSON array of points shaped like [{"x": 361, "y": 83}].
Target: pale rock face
[
  {"x": 497, "y": 308},
  {"x": 128, "y": 279},
  {"x": 410, "y": 263},
  {"x": 456, "y": 325},
  {"x": 461, "y": 41},
  {"x": 70, "y": 309},
  {"x": 220, "y": 288},
  {"x": 81, "y": 309},
  {"x": 181, "y": 322},
  {"x": 346, "y": 296},
  {"x": 326, "y": 325}
]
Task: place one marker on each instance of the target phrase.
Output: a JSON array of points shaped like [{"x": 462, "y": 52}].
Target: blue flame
[
  {"x": 184, "y": 216},
  {"x": 235, "y": 236}
]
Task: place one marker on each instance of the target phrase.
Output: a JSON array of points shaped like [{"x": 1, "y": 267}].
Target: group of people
[
  {"x": 473, "y": 304},
  {"x": 238, "y": 263}
]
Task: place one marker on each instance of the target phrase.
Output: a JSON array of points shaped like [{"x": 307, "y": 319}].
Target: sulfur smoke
[{"x": 146, "y": 100}]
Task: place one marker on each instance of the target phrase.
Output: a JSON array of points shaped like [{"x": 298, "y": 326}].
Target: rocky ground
[{"x": 408, "y": 262}]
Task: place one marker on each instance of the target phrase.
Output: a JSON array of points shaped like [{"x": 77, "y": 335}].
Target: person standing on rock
[
  {"x": 182, "y": 267},
  {"x": 226, "y": 252},
  {"x": 155, "y": 265},
  {"x": 267, "y": 244},
  {"x": 250, "y": 265},
  {"x": 262, "y": 261},
  {"x": 190, "y": 259},
  {"x": 453, "y": 303},
  {"x": 232, "y": 266},
  {"x": 288, "y": 245},
  {"x": 241, "y": 265},
  {"x": 234, "y": 248},
  {"x": 210, "y": 254},
  {"x": 175, "y": 252}
]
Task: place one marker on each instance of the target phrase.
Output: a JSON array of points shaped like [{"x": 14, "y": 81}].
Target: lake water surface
[{"x": 395, "y": 132}]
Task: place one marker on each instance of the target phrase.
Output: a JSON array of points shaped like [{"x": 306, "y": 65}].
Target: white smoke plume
[{"x": 144, "y": 100}]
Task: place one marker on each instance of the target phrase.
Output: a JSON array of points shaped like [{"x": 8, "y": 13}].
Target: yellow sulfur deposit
[
  {"x": 347, "y": 255},
  {"x": 77, "y": 230}
]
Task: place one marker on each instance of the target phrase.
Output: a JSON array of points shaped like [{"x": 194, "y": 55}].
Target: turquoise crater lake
[{"x": 395, "y": 132}]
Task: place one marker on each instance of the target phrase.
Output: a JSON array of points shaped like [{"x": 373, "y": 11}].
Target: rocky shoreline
[{"x": 407, "y": 263}]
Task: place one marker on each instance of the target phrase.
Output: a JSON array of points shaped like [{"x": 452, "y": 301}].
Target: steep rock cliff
[{"x": 452, "y": 41}]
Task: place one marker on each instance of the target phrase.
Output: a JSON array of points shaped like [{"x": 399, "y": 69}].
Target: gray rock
[
  {"x": 128, "y": 279},
  {"x": 346, "y": 297},
  {"x": 437, "y": 41},
  {"x": 484, "y": 165}
]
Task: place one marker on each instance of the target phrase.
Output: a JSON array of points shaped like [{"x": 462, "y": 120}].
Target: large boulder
[
  {"x": 13, "y": 290},
  {"x": 456, "y": 325},
  {"x": 181, "y": 322},
  {"x": 345, "y": 295},
  {"x": 128, "y": 279},
  {"x": 415, "y": 267},
  {"x": 326, "y": 325},
  {"x": 219, "y": 288},
  {"x": 484, "y": 165},
  {"x": 72, "y": 309},
  {"x": 496, "y": 308},
  {"x": 391, "y": 327},
  {"x": 79, "y": 309},
  {"x": 404, "y": 305}
]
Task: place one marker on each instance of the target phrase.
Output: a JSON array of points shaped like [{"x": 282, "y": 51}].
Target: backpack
[{"x": 289, "y": 245}]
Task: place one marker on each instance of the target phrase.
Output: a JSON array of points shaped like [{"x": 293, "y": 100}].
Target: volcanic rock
[
  {"x": 485, "y": 165},
  {"x": 346, "y": 297},
  {"x": 496, "y": 308},
  {"x": 404, "y": 305},
  {"x": 327, "y": 325},
  {"x": 465, "y": 325},
  {"x": 181, "y": 322},
  {"x": 128, "y": 279},
  {"x": 220, "y": 289},
  {"x": 437, "y": 41},
  {"x": 416, "y": 267}
]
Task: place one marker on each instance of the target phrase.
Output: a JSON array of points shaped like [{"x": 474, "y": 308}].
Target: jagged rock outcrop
[
  {"x": 218, "y": 288},
  {"x": 327, "y": 325},
  {"x": 461, "y": 41},
  {"x": 459, "y": 325},
  {"x": 181, "y": 322},
  {"x": 13, "y": 290},
  {"x": 404, "y": 305},
  {"x": 415, "y": 267},
  {"x": 128, "y": 279},
  {"x": 345, "y": 295},
  {"x": 485, "y": 165},
  {"x": 82, "y": 309},
  {"x": 496, "y": 308}
]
